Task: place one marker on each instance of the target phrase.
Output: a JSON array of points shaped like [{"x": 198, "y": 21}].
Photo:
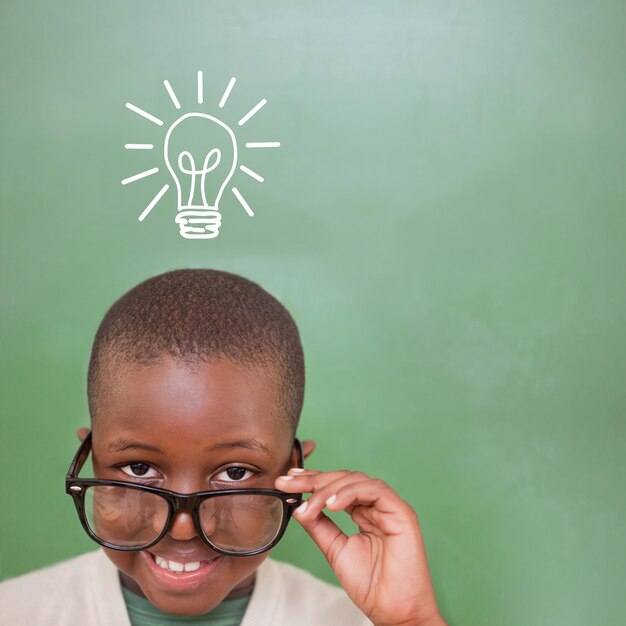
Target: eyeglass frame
[{"x": 176, "y": 501}]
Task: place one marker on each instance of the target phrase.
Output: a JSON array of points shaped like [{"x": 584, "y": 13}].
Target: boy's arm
[{"x": 383, "y": 567}]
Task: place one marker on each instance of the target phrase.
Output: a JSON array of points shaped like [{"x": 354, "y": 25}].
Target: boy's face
[{"x": 203, "y": 421}]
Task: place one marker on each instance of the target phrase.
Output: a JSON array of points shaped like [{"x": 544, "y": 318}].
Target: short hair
[{"x": 200, "y": 315}]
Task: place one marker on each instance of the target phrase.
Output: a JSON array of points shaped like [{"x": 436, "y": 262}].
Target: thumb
[{"x": 324, "y": 532}]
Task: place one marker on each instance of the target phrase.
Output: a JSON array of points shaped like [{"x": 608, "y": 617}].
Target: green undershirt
[{"x": 143, "y": 613}]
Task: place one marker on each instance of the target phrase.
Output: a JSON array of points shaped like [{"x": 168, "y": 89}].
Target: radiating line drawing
[
  {"x": 227, "y": 92},
  {"x": 263, "y": 144},
  {"x": 251, "y": 112},
  {"x": 171, "y": 93},
  {"x": 153, "y": 202},
  {"x": 145, "y": 114},
  {"x": 132, "y": 179},
  {"x": 200, "y": 88},
  {"x": 201, "y": 172},
  {"x": 241, "y": 199},
  {"x": 249, "y": 172}
]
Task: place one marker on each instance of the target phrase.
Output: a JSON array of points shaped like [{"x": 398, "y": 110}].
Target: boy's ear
[
  {"x": 82, "y": 433},
  {"x": 308, "y": 446}
]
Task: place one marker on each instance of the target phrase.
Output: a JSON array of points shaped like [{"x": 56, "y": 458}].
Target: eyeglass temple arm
[
  {"x": 79, "y": 457},
  {"x": 300, "y": 452}
]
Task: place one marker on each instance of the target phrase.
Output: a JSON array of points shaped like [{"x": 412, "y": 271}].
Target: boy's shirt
[
  {"x": 86, "y": 591},
  {"x": 143, "y": 613}
]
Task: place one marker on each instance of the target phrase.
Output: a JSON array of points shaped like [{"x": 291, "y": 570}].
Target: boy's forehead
[{"x": 218, "y": 399}]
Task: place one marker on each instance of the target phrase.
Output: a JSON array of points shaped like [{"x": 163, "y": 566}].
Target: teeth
[
  {"x": 161, "y": 562},
  {"x": 192, "y": 567},
  {"x": 175, "y": 566}
]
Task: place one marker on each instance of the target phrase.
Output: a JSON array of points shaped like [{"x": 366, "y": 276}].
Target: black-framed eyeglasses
[{"x": 128, "y": 516}]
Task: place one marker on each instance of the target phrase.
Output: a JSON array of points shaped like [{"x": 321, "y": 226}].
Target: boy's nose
[{"x": 182, "y": 527}]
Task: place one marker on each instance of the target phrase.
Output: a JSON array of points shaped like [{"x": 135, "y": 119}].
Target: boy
[{"x": 195, "y": 387}]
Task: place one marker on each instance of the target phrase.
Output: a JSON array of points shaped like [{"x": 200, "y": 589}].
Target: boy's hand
[{"x": 383, "y": 567}]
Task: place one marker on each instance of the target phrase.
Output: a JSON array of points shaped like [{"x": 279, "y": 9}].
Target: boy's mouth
[
  {"x": 178, "y": 567},
  {"x": 178, "y": 575}
]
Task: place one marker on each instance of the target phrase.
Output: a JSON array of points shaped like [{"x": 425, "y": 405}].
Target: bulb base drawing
[{"x": 199, "y": 222}]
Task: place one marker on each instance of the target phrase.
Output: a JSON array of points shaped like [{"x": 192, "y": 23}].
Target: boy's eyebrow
[
  {"x": 120, "y": 444},
  {"x": 249, "y": 444}
]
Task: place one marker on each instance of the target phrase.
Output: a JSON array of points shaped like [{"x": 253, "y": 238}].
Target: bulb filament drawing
[{"x": 201, "y": 155}]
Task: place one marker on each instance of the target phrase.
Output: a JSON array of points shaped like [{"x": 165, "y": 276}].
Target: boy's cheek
[{"x": 128, "y": 564}]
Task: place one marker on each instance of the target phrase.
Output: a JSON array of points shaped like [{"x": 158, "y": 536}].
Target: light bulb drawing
[
  {"x": 198, "y": 200},
  {"x": 201, "y": 154}
]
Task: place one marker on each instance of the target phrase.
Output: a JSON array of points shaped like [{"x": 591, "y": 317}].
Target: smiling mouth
[{"x": 180, "y": 568}]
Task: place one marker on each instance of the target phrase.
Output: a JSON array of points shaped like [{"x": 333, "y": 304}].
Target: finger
[
  {"x": 371, "y": 503},
  {"x": 308, "y": 471},
  {"x": 322, "y": 491},
  {"x": 372, "y": 492},
  {"x": 329, "y": 538},
  {"x": 376, "y": 504},
  {"x": 307, "y": 481}
]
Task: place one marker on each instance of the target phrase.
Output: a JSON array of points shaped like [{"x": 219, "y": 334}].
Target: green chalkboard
[{"x": 444, "y": 218}]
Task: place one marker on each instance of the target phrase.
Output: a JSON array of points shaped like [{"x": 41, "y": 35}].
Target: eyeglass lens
[{"x": 130, "y": 517}]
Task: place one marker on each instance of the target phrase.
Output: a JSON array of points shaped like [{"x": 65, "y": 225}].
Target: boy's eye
[
  {"x": 234, "y": 474},
  {"x": 139, "y": 470}
]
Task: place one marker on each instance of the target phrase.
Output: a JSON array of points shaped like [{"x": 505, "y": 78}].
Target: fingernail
[
  {"x": 302, "y": 508},
  {"x": 297, "y": 470},
  {"x": 285, "y": 477},
  {"x": 331, "y": 499}
]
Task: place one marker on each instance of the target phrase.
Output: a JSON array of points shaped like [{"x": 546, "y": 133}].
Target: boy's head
[
  {"x": 199, "y": 316},
  {"x": 195, "y": 383}
]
